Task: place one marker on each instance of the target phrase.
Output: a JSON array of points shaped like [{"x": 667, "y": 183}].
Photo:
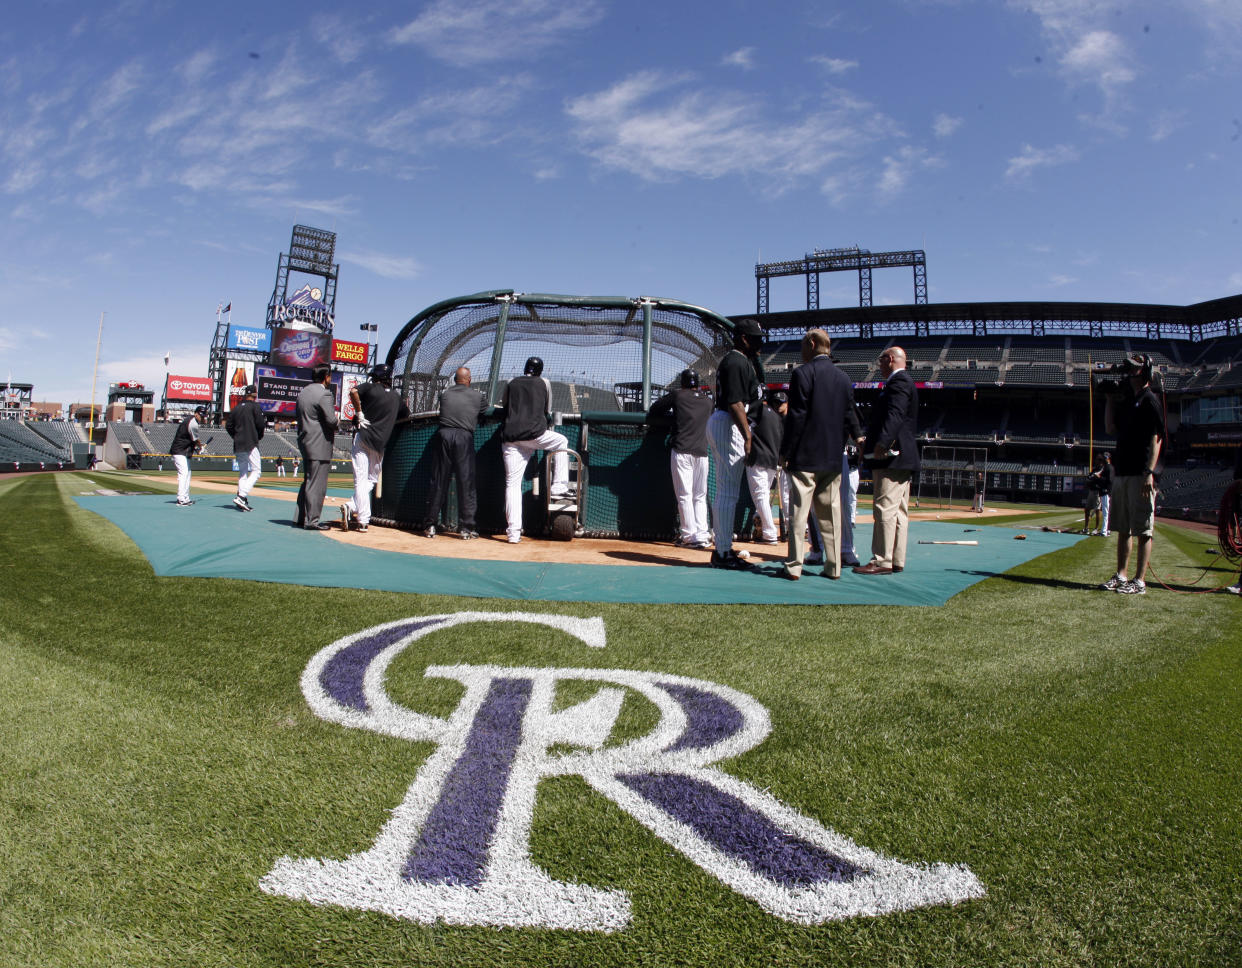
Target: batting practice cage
[
  {"x": 953, "y": 477},
  {"x": 608, "y": 360}
]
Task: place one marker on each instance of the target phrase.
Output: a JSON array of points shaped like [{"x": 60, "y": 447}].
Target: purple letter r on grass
[{"x": 456, "y": 850}]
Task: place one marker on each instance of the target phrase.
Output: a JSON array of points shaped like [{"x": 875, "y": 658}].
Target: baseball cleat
[{"x": 239, "y": 502}]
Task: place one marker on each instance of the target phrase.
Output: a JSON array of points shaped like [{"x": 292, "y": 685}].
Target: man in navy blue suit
[
  {"x": 821, "y": 419},
  {"x": 893, "y": 456}
]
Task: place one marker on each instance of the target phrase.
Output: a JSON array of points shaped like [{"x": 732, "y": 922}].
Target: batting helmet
[
  {"x": 689, "y": 379},
  {"x": 381, "y": 373},
  {"x": 533, "y": 367}
]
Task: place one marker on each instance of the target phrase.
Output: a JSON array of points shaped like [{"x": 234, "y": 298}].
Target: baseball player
[
  {"x": 761, "y": 469},
  {"x": 739, "y": 390},
  {"x": 527, "y": 404},
  {"x": 687, "y": 409},
  {"x": 379, "y": 407},
  {"x": 246, "y": 424},
  {"x": 186, "y": 442}
]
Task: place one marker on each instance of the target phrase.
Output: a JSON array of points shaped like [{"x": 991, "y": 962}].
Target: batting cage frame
[
  {"x": 607, "y": 358},
  {"x": 953, "y": 476}
]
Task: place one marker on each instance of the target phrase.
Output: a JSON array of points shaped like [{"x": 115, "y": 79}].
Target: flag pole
[{"x": 90, "y": 435}]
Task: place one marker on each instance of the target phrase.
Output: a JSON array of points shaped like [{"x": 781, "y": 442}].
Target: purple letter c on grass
[{"x": 456, "y": 850}]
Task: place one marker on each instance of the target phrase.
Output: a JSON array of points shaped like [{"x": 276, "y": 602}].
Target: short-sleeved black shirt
[
  {"x": 1138, "y": 420},
  {"x": 382, "y": 407},
  {"x": 738, "y": 380}
]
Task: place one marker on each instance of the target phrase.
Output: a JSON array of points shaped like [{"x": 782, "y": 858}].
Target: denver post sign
[{"x": 344, "y": 351}]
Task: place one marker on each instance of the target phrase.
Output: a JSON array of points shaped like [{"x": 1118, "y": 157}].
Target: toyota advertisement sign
[{"x": 187, "y": 389}]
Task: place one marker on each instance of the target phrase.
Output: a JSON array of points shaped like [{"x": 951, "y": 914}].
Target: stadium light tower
[{"x": 374, "y": 350}]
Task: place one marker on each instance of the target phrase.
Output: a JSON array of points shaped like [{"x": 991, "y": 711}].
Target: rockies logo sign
[{"x": 456, "y": 850}]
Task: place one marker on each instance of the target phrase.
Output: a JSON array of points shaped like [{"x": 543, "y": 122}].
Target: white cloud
[
  {"x": 1057, "y": 280},
  {"x": 467, "y": 32},
  {"x": 1166, "y": 123},
  {"x": 1021, "y": 166},
  {"x": 834, "y": 65},
  {"x": 655, "y": 126},
  {"x": 943, "y": 126},
  {"x": 897, "y": 169},
  {"x": 743, "y": 58},
  {"x": 1087, "y": 52},
  {"x": 388, "y": 266}
]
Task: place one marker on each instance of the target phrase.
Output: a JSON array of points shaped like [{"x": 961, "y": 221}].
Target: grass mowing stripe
[{"x": 1073, "y": 747}]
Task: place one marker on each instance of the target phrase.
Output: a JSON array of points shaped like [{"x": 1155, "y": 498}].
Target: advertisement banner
[
  {"x": 279, "y": 387},
  {"x": 241, "y": 338},
  {"x": 188, "y": 388},
  {"x": 241, "y": 373},
  {"x": 299, "y": 348},
  {"x": 349, "y": 382},
  {"x": 346, "y": 351}
]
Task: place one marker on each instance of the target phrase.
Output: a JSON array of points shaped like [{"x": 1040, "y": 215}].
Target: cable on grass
[{"x": 1228, "y": 536}]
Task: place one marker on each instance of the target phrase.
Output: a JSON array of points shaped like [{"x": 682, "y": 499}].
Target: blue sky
[{"x": 154, "y": 157}]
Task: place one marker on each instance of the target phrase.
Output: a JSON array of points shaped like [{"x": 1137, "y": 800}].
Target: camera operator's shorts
[
  {"x": 1093, "y": 500},
  {"x": 1132, "y": 512}
]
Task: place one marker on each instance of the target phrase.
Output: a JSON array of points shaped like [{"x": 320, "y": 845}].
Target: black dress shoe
[{"x": 318, "y": 527}]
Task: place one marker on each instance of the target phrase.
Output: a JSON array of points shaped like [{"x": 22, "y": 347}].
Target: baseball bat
[{"x": 950, "y": 542}]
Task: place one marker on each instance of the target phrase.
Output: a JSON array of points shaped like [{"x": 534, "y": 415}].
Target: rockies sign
[{"x": 456, "y": 850}]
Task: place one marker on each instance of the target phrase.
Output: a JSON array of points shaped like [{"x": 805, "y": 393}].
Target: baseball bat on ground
[{"x": 950, "y": 542}]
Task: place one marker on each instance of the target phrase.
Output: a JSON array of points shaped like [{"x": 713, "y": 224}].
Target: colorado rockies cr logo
[{"x": 456, "y": 849}]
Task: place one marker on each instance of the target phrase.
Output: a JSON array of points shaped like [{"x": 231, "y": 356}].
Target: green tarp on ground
[{"x": 213, "y": 539}]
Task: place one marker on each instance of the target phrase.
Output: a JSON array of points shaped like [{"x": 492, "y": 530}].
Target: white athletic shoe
[
  {"x": 515, "y": 539},
  {"x": 1132, "y": 587},
  {"x": 1112, "y": 584},
  {"x": 1234, "y": 589}
]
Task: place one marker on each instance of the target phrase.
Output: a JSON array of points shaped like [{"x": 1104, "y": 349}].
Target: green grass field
[{"x": 1078, "y": 751}]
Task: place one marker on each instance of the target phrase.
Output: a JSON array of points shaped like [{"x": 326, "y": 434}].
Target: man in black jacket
[
  {"x": 893, "y": 455},
  {"x": 246, "y": 424},
  {"x": 821, "y": 420},
  {"x": 185, "y": 444}
]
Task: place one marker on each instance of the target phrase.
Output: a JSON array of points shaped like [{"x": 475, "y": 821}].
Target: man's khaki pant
[
  {"x": 820, "y": 492},
  {"x": 891, "y": 517}
]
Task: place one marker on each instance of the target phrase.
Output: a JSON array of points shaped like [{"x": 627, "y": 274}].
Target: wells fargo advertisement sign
[{"x": 344, "y": 351}]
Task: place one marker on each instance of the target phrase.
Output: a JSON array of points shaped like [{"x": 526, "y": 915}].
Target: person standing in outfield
[
  {"x": 1106, "y": 495},
  {"x": 379, "y": 408},
  {"x": 527, "y": 403},
  {"x": 1236, "y": 587},
  {"x": 1136, "y": 418},
  {"x": 316, "y": 414},
  {"x": 1092, "y": 502},
  {"x": 761, "y": 469},
  {"x": 821, "y": 419},
  {"x": 246, "y": 424},
  {"x": 687, "y": 409},
  {"x": 452, "y": 453},
  {"x": 185, "y": 443},
  {"x": 739, "y": 392},
  {"x": 893, "y": 455},
  {"x": 849, "y": 502}
]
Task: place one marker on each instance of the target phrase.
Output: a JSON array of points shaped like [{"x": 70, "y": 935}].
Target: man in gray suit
[{"x": 316, "y": 429}]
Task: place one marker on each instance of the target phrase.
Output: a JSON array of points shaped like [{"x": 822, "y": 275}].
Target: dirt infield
[{"x": 584, "y": 551}]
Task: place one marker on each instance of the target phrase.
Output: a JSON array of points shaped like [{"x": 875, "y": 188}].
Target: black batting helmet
[
  {"x": 533, "y": 367},
  {"x": 689, "y": 379},
  {"x": 381, "y": 373}
]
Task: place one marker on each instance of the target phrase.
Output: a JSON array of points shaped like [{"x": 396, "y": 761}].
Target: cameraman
[{"x": 1134, "y": 415}]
